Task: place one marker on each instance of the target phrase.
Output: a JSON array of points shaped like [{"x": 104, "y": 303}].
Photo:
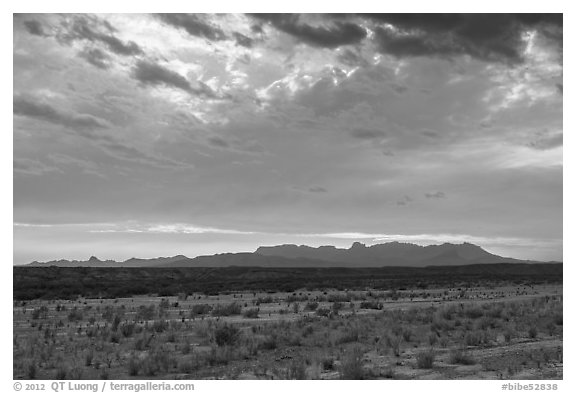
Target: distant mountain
[
  {"x": 293, "y": 256},
  {"x": 392, "y": 254}
]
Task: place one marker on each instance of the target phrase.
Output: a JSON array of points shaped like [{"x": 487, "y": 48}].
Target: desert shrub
[
  {"x": 473, "y": 338},
  {"x": 444, "y": 341},
  {"x": 311, "y": 306},
  {"x": 322, "y": 312},
  {"x": 268, "y": 343},
  {"x": 328, "y": 364},
  {"x": 226, "y": 335},
  {"x": 88, "y": 358},
  {"x": 171, "y": 337},
  {"x": 296, "y": 370},
  {"x": 308, "y": 330},
  {"x": 76, "y": 373},
  {"x": 60, "y": 373},
  {"x": 146, "y": 313},
  {"x": 558, "y": 319},
  {"x": 432, "y": 339},
  {"x": 224, "y": 310},
  {"x": 484, "y": 323},
  {"x": 220, "y": 356},
  {"x": 159, "y": 326},
  {"x": 115, "y": 338},
  {"x": 407, "y": 334},
  {"x": 532, "y": 332},
  {"x": 128, "y": 329},
  {"x": 339, "y": 297},
  {"x": 158, "y": 360},
  {"x": 133, "y": 366},
  {"x": 371, "y": 305},
  {"x": 40, "y": 313},
  {"x": 348, "y": 335},
  {"x": 394, "y": 342},
  {"x": 296, "y": 298},
  {"x": 508, "y": 335},
  {"x": 200, "y": 309},
  {"x": 75, "y": 315},
  {"x": 473, "y": 312},
  {"x": 266, "y": 299},
  {"x": 250, "y": 313},
  {"x": 116, "y": 323},
  {"x": 164, "y": 303},
  {"x": 351, "y": 367},
  {"x": 459, "y": 356},
  {"x": 425, "y": 359},
  {"x": 31, "y": 370},
  {"x": 142, "y": 342}
]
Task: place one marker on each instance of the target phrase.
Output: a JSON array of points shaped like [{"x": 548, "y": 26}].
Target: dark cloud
[
  {"x": 84, "y": 126},
  {"x": 545, "y": 141},
  {"x": 34, "y": 27},
  {"x": 95, "y": 30},
  {"x": 218, "y": 141},
  {"x": 317, "y": 189},
  {"x": 435, "y": 195},
  {"x": 96, "y": 57},
  {"x": 404, "y": 200},
  {"x": 242, "y": 40},
  {"x": 337, "y": 34},
  {"x": 364, "y": 133},
  {"x": 31, "y": 107},
  {"x": 430, "y": 133},
  {"x": 194, "y": 25},
  {"x": 560, "y": 88},
  {"x": 491, "y": 37},
  {"x": 153, "y": 74}
]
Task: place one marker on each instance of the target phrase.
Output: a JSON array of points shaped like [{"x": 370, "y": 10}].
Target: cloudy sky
[{"x": 156, "y": 135}]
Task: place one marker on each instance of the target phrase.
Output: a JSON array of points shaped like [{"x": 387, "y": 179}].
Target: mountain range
[{"x": 290, "y": 255}]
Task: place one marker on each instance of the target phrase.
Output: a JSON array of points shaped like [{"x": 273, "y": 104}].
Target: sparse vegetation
[
  {"x": 298, "y": 335},
  {"x": 425, "y": 359}
]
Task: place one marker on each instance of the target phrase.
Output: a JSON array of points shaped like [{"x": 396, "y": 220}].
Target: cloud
[
  {"x": 96, "y": 57},
  {"x": 351, "y": 59},
  {"x": 178, "y": 228},
  {"x": 194, "y": 25},
  {"x": 337, "y": 34},
  {"x": 545, "y": 141},
  {"x": 30, "y": 107},
  {"x": 437, "y": 238},
  {"x": 153, "y": 74},
  {"x": 32, "y": 167},
  {"x": 242, "y": 40},
  {"x": 490, "y": 37},
  {"x": 84, "y": 126},
  {"x": 218, "y": 142},
  {"x": 34, "y": 27},
  {"x": 435, "y": 195},
  {"x": 364, "y": 133},
  {"x": 404, "y": 200},
  {"x": 317, "y": 189},
  {"x": 88, "y": 167},
  {"x": 84, "y": 28}
]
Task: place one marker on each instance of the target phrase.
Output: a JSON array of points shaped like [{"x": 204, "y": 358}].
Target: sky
[{"x": 163, "y": 134}]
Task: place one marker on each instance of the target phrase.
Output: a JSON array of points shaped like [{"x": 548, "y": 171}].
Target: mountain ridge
[{"x": 291, "y": 255}]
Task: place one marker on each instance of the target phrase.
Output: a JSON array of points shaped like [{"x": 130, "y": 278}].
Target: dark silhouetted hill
[{"x": 293, "y": 256}]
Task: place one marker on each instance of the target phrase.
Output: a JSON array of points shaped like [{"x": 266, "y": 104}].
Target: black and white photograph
[{"x": 287, "y": 196}]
